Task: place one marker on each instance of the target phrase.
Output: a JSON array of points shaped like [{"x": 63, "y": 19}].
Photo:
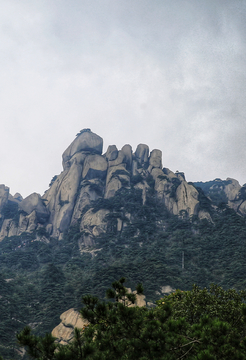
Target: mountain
[
  {"x": 107, "y": 216},
  {"x": 225, "y": 191},
  {"x": 88, "y": 176}
]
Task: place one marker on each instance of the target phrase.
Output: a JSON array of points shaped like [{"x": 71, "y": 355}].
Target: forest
[{"x": 41, "y": 279}]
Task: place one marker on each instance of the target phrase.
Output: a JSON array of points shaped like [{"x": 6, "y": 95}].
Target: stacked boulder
[{"x": 89, "y": 175}]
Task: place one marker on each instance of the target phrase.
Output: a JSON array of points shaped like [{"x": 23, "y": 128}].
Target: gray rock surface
[
  {"x": 111, "y": 153},
  {"x": 61, "y": 197},
  {"x": 116, "y": 177},
  {"x": 35, "y": 203},
  {"x": 95, "y": 166},
  {"x": 17, "y": 198},
  {"x": 70, "y": 319},
  {"x": 155, "y": 159},
  {"x": 177, "y": 195},
  {"x": 4, "y": 194},
  {"x": 127, "y": 151},
  {"x": 88, "y": 176},
  {"x": 5, "y": 228},
  {"x": 86, "y": 141},
  {"x": 93, "y": 225},
  {"x": 90, "y": 191},
  {"x": 119, "y": 160},
  {"x": 231, "y": 190},
  {"x": 142, "y": 153}
]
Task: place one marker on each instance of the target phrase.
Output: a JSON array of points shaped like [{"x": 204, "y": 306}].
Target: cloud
[{"x": 169, "y": 74}]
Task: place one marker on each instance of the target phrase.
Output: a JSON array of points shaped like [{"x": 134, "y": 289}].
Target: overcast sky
[{"x": 167, "y": 73}]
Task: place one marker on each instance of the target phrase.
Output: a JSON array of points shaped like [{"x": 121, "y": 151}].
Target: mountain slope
[
  {"x": 108, "y": 216},
  {"x": 87, "y": 176}
]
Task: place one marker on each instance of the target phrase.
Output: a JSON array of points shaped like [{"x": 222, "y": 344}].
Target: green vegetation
[
  {"x": 136, "y": 179},
  {"x": 214, "y": 189},
  {"x": 10, "y": 210},
  {"x": 63, "y": 202},
  {"x": 198, "y": 324},
  {"x": 83, "y": 131},
  {"x": 53, "y": 180},
  {"x": 176, "y": 182},
  {"x": 40, "y": 280}
]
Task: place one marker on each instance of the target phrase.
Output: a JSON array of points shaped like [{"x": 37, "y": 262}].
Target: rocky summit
[
  {"x": 107, "y": 216},
  {"x": 88, "y": 175}
]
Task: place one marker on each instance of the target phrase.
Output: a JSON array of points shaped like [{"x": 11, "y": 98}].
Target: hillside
[{"x": 111, "y": 215}]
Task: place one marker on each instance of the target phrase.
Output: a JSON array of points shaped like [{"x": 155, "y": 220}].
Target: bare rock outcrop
[
  {"x": 85, "y": 141},
  {"x": 232, "y": 189},
  {"x": 142, "y": 153},
  {"x": 35, "y": 203},
  {"x": 111, "y": 153},
  {"x": 177, "y": 195},
  {"x": 88, "y": 176},
  {"x": 95, "y": 166},
  {"x": 116, "y": 177},
  {"x": 61, "y": 198},
  {"x": 127, "y": 151},
  {"x": 4, "y": 194},
  {"x": 119, "y": 160},
  {"x": 70, "y": 319},
  {"x": 90, "y": 190},
  {"x": 92, "y": 225},
  {"x": 155, "y": 160}
]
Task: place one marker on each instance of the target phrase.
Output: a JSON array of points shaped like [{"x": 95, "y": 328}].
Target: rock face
[
  {"x": 89, "y": 177},
  {"x": 4, "y": 194},
  {"x": 92, "y": 225},
  {"x": 142, "y": 153},
  {"x": 69, "y": 320},
  {"x": 95, "y": 167},
  {"x": 72, "y": 318},
  {"x": 226, "y": 191},
  {"x": 34, "y": 203},
  {"x": 85, "y": 141}
]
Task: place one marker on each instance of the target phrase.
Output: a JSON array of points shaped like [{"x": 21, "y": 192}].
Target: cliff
[
  {"x": 71, "y": 319},
  {"x": 88, "y": 176}
]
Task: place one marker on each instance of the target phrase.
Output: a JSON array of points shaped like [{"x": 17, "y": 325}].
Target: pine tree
[{"x": 199, "y": 324}]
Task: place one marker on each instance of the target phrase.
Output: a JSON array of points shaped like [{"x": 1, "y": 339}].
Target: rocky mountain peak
[
  {"x": 85, "y": 140},
  {"x": 88, "y": 177}
]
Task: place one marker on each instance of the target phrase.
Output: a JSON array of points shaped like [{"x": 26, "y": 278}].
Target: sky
[{"x": 167, "y": 73}]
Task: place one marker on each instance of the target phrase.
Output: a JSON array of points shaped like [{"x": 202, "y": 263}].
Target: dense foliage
[
  {"x": 198, "y": 324},
  {"x": 41, "y": 277}
]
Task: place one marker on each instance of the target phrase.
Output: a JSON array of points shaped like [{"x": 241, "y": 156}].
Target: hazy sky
[{"x": 167, "y": 73}]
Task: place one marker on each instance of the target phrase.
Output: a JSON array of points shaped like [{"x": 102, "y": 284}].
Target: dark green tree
[{"x": 199, "y": 324}]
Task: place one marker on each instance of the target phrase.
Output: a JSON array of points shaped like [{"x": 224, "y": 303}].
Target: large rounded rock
[
  {"x": 232, "y": 189},
  {"x": 85, "y": 141},
  {"x": 17, "y": 198},
  {"x": 66, "y": 198},
  {"x": 156, "y": 159},
  {"x": 95, "y": 223},
  {"x": 187, "y": 199},
  {"x": 119, "y": 160},
  {"x": 4, "y": 194},
  {"x": 111, "y": 188},
  {"x": 90, "y": 191},
  {"x": 92, "y": 225},
  {"x": 5, "y": 228},
  {"x": 142, "y": 153},
  {"x": 116, "y": 177},
  {"x": 70, "y": 319},
  {"x": 95, "y": 166},
  {"x": 35, "y": 202},
  {"x": 127, "y": 151},
  {"x": 111, "y": 153}
]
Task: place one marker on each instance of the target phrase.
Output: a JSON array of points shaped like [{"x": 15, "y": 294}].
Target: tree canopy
[{"x": 204, "y": 324}]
